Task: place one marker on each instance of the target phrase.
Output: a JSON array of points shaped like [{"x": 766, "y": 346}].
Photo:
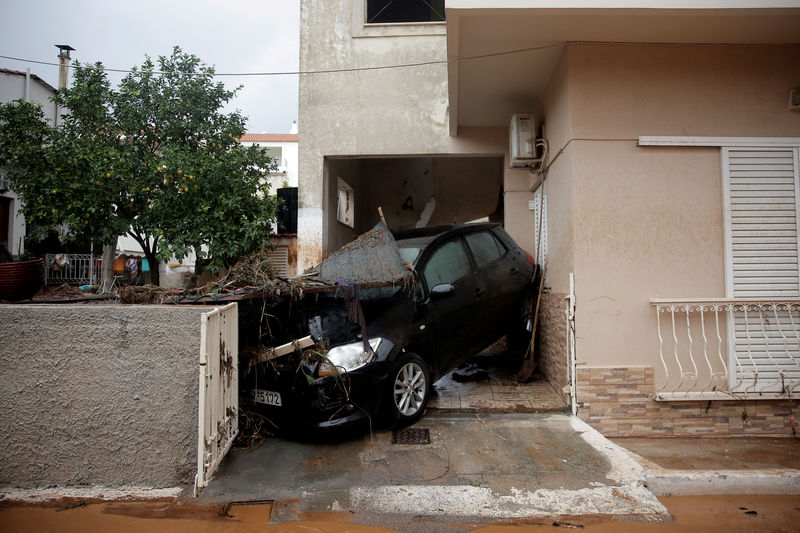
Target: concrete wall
[
  {"x": 388, "y": 112},
  {"x": 98, "y": 395}
]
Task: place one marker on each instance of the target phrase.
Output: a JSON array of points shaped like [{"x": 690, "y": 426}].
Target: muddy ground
[{"x": 729, "y": 514}]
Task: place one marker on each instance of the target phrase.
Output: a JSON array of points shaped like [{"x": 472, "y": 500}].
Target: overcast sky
[{"x": 231, "y": 35}]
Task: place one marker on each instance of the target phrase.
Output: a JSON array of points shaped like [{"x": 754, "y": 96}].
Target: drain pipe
[{"x": 573, "y": 389}]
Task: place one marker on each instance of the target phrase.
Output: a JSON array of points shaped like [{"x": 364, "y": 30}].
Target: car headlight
[{"x": 348, "y": 357}]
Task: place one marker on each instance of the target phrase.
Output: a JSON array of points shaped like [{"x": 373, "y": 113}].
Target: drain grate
[{"x": 411, "y": 436}]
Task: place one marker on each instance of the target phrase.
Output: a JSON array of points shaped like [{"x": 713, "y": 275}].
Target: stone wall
[
  {"x": 551, "y": 342},
  {"x": 98, "y": 395},
  {"x": 619, "y": 402}
]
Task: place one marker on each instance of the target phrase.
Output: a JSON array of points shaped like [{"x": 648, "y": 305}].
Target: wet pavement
[
  {"x": 714, "y": 465},
  {"x": 482, "y": 467},
  {"x": 716, "y": 453},
  {"x": 488, "y": 384}
]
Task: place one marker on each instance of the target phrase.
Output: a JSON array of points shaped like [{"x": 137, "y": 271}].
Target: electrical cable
[{"x": 297, "y": 72}]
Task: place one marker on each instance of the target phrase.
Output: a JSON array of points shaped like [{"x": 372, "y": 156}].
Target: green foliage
[{"x": 155, "y": 158}]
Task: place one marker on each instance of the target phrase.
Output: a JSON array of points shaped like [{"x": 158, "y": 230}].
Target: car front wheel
[{"x": 409, "y": 387}]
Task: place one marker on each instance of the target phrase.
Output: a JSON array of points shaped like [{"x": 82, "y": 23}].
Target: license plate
[{"x": 267, "y": 397}]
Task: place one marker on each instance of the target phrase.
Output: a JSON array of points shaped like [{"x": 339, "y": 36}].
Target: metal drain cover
[{"x": 411, "y": 436}]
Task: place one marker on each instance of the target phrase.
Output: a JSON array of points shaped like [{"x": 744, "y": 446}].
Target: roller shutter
[{"x": 761, "y": 187}]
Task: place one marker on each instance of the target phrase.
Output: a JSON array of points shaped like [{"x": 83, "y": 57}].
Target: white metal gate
[{"x": 218, "y": 413}]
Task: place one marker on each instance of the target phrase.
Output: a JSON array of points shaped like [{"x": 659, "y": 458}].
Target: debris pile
[
  {"x": 148, "y": 294},
  {"x": 372, "y": 260},
  {"x": 254, "y": 271}
]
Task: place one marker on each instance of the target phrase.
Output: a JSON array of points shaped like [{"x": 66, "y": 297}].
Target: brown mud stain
[
  {"x": 712, "y": 514},
  {"x": 135, "y": 517},
  {"x": 166, "y": 510}
]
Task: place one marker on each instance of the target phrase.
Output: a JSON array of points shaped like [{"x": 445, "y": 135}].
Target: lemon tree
[{"x": 155, "y": 157}]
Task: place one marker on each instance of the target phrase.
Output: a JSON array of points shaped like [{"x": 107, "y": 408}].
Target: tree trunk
[
  {"x": 155, "y": 275},
  {"x": 107, "y": 272},
  {"x": 149, "y": 248}
]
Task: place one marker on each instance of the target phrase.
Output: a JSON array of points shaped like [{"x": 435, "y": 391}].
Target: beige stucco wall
[
  {"x": 388, "y": 112},
  {"x": 558, "y": 183},
  {"x": 648, "y": 222}
]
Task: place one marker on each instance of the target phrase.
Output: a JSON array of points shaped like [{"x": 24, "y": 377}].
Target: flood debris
[
  {"x": 372, "y": 260},
  {"x": 372, "y": 257}
]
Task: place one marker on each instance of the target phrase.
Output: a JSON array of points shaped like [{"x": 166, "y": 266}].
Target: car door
[
  {"x": 487, "y": 253},
  {"x": 457, "y": 317}
]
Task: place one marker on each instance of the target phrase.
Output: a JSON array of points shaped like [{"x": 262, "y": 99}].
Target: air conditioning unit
[{"x": 522, "y": 140}]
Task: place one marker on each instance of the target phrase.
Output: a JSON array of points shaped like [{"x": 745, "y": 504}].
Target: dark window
[
  {"x": 389, "y": 11},
  {"x": 448, "y": 264},
  {"x": 485, "y": 248}
]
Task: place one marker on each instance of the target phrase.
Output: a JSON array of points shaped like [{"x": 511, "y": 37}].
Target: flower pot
[{"x": 21, "y": 280}]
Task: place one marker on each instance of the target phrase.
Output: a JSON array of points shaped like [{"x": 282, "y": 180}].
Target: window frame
[{"x": 362, "y": 28}]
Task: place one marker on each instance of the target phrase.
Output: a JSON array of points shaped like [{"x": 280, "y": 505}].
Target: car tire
[
  {"x": 408, "y": 389},
  {"x": 518, "y": 337}
]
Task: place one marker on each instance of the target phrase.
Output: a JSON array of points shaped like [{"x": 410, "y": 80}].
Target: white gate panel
[{"x": 218, "y": 413}]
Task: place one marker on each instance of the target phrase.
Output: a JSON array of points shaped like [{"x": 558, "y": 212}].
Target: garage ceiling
[{"x": 485, "y": 89}]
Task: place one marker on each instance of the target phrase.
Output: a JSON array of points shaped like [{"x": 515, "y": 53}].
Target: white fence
[
  {"x": 218, "y": 416},
  {"x": 718, "y": 348},
  {"x": 75, "y": 269}
]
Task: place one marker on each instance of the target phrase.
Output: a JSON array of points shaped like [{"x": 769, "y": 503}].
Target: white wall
[
  {"x": 287, "y": 162},
  {"x": 13, "y": 87}
]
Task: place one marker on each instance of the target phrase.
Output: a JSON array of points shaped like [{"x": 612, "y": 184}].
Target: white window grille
[{"x": 539, "y": 207}]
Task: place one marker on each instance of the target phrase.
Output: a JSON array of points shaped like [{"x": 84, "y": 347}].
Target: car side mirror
[{"x": 443, "y": 290}]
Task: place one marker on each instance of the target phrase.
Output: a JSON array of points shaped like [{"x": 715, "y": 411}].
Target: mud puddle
[{"x": 729, "y": 514}]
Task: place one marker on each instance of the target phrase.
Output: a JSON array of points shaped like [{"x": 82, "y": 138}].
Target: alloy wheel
[{"x": 409, "y": 389}]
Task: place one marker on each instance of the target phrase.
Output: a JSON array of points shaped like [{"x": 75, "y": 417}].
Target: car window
[
  {"x": 411, "y": 248},
  {"x": 485, "y": 248},
  {"x": 448, "y": 264},
  {"x": 409, "y": 254}
]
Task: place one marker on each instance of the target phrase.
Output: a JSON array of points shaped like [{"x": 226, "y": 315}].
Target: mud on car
[{"x": 377, "y": 350}]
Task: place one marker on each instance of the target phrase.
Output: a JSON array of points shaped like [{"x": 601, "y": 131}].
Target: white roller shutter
[
  {"x": 539, "y": 207},
  {"x": 761, "y": 188}
]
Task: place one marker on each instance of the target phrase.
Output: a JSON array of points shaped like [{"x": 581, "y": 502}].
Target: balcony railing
[
  {"x": 75, "y": 269},
  {"x": 722, "y": 348}
]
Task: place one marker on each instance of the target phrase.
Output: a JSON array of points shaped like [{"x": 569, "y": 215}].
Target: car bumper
[{"x": 330, "y": 402}]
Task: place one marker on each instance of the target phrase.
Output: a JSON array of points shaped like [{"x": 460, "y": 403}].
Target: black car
[{"x": 471, "y": 285}]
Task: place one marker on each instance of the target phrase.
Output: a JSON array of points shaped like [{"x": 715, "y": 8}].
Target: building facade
[
  {"x": 20, "y": 85},
  {"x": 668, "y": 182}
]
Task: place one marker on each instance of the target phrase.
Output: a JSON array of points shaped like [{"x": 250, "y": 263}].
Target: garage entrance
[
  {"x": 422, "y": 191},
  {"x": 412, "y": 192}
]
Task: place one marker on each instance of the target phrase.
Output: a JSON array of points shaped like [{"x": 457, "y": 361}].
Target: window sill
[{"x": 399, "y": 29}]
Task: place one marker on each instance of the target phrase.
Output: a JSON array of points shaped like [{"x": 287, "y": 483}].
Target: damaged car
[{"x": 366, "y": 350}]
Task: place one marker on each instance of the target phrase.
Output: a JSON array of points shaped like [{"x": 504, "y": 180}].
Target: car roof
[{"x": 428, "y": 234}]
